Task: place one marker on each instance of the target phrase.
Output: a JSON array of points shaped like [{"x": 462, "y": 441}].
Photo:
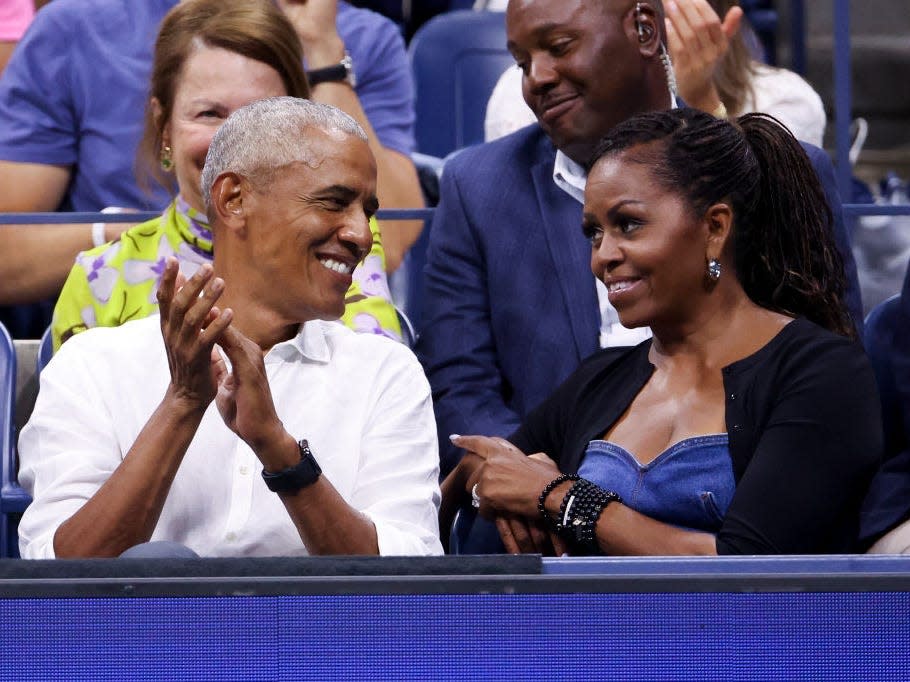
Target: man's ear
[
  {"x": 228, "y": 194},
  {"x": 719, "y": 223},
  {"x": 646, "y": 28}
]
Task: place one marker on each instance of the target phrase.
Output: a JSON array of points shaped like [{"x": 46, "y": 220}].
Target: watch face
[
  {"x": 348, "y": 65},
  {"x": 292, "y": 479}
]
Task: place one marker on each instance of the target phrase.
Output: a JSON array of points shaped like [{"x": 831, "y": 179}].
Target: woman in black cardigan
[{"x": 750, "y": 423}]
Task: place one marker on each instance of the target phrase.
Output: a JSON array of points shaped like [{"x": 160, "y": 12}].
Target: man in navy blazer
[{"x": 510, "y": 303}]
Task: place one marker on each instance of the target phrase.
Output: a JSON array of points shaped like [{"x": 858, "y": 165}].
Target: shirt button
[
  {"x": 732, "y": 396},
  {"x": 736, "y": 427},
  {"x": 230, "y": 537},
  {"x": 244, "y": 470}
]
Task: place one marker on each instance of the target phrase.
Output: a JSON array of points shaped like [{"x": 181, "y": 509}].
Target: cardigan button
[
  {"x": 736, "y": 427},
  {"x": 732, "y": 396}
]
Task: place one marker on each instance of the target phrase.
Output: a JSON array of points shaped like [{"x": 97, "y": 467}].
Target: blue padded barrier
[
  {"x": 73, "y": 218},
  {"x": 740, "y": 568}
]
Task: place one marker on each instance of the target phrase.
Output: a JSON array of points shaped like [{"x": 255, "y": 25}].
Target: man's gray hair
[{"x": 270, "y": 134}]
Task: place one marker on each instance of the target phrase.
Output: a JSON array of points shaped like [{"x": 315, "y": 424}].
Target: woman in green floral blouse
[{"x": 211, "y": 57}]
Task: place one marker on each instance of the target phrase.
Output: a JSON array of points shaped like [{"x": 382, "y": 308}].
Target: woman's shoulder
[
  {"x": 805, "y": 354},
  {"x": 806, "y": 338},
  {"x": 800, "y": 337}
]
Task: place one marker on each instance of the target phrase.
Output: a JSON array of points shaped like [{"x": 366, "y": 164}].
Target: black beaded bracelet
[
  {"x": 578, "y": 521},
  {"x": 574, "y": 505},
  {"x": 542, "y": 498}
]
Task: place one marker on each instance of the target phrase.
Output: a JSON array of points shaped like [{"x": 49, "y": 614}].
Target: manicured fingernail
[{"x": 454, "y": 437}]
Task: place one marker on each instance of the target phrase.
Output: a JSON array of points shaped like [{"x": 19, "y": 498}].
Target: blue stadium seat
[
  {"x": 13, "y": 499},
  {"x": 408, "y": 333},
  {"x": 45, "y": 349},
  {"x": 456, "y": 59},
  {"x": 458, "y": 534}
]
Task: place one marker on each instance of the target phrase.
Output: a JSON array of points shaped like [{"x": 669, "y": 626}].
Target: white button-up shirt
[{"x": 361, "y": 401}]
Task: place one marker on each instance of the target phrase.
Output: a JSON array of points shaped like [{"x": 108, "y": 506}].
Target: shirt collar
[
  {"x": 570, "y": 177},
  {"x": 311, "y": 341}
]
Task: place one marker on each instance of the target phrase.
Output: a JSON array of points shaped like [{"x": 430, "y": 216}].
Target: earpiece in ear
[{"x": 639, "y": 26}]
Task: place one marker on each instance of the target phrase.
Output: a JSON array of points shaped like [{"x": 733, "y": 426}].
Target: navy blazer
[
  {"x": 510, "y": 305},
  {"x": 888, "y": 502}
]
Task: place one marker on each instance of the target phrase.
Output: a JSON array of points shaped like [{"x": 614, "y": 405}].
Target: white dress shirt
[{"x": 361, "y": 401}]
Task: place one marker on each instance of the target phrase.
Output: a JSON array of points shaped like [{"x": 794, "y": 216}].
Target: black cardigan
[{"x": 804, "y": 427}]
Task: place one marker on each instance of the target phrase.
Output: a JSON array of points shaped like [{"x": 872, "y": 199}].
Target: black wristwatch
[
  {"x": 342, "y": 71},
  {"x": 294, "y": 478}
]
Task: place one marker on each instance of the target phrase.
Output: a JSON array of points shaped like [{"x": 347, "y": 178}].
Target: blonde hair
[{"x": 733, "y": 77}]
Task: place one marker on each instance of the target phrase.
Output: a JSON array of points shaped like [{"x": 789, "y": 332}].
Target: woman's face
[
  {"x": 213, "y": 84},
  {"x": 647, "y": 248}
]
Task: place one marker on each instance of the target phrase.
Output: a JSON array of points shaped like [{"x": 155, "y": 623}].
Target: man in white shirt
[{"x": 125, "y": 444}]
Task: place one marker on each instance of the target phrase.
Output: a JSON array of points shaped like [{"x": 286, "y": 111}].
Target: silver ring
[{"x": 475, "y": 498}]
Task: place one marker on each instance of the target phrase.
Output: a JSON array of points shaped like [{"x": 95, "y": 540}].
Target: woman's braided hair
[{"x": 784, "y": 250}]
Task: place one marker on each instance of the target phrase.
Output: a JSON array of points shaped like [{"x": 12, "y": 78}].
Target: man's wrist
[
  {"x": 278, "y": 453},
  {"x": 293, "y": 478},
  {"x": 184, "y": 404}
]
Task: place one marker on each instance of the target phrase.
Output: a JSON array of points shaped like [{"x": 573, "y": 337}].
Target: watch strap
[
  {"x": 292, "y": 479},
  {"x": 336, "y": 73}
]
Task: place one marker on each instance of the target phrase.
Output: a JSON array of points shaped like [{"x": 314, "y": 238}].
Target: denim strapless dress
[{"x": 690, "y": 484}]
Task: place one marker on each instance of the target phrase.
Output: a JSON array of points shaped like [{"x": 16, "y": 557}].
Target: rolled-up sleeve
[{"x": 67, "y": 451}]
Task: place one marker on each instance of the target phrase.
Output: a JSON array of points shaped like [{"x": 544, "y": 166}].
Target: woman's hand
[
  {"x": 191, "y": 324},
  {"x": 698, "y": 41},
  {"x": 523, "y": 536},
  {"x": 314, "y": 21},
  {"x": 508, "y": 481}
]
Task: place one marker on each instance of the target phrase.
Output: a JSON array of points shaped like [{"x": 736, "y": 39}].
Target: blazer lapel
[{"x": 571, "y": 255}]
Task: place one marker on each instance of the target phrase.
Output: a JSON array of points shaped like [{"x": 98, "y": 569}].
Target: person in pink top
[{"x": 15, "y": 16}]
